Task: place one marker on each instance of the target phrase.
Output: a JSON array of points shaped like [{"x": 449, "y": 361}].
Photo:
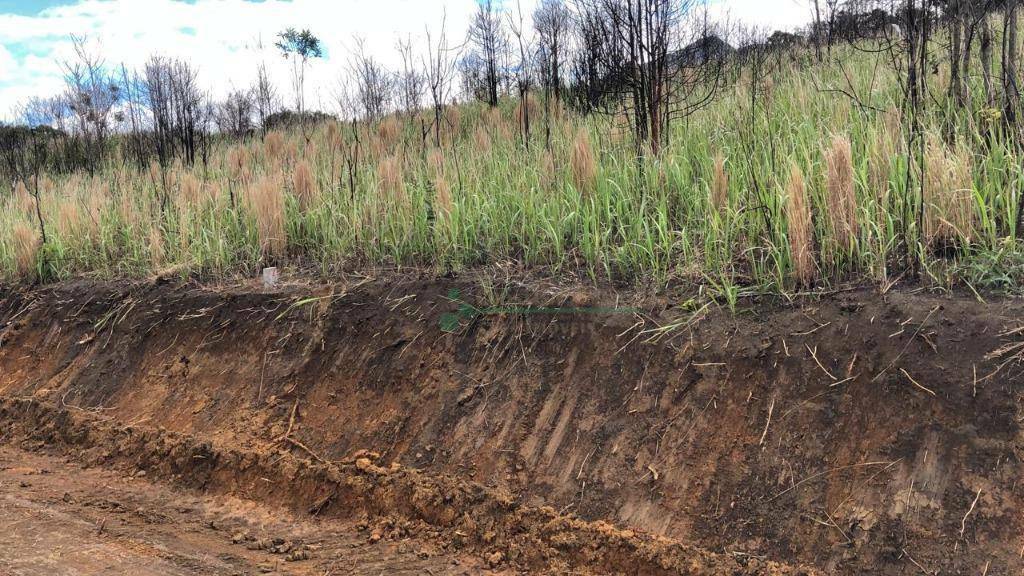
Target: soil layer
[{"x": 549, "y": 430}]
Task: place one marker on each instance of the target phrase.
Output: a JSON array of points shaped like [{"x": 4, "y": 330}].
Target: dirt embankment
[{"x": 852, "y": 434}]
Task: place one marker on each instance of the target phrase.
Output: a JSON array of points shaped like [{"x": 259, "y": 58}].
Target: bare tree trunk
[
  {"x": 969, "y": 23},
  {"x": 655, "y": 114},
  {"x": 955, "y": 52},
  {"x": 817, "y": 30},
  {"x": 832, "y": 6},
  {"x": 38, "y": 159},
  {"x": 986, "y": 63},
  {"x": 524, "y": 80},
  {"x": 912, "y": 71},
  {"x": 1011, "y": 76},
  {"x": 917, "y": 19}
]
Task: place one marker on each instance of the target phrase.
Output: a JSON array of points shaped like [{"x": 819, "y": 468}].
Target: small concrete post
[{"x": 270, "y": 277}]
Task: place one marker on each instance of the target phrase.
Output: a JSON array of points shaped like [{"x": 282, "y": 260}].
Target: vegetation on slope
[{"x": 781, "y": 183}]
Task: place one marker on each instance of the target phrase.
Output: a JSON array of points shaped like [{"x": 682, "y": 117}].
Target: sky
[{"x": 227, "y": 39}]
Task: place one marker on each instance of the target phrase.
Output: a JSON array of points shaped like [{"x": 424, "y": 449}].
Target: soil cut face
[{"x": 532, "y": 430}]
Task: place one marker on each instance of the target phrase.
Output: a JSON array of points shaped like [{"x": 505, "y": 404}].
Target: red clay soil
[
  {"x": 61, "y": 517},
  {"x": 553, "y": 431}
]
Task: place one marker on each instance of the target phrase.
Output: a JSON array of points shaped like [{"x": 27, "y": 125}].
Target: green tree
[{"x": 299, "y": 46}]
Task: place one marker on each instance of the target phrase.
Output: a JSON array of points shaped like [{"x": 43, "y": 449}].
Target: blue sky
[
  {"x": 227, "y": 39},
  {"x": 27, "y": 7}
]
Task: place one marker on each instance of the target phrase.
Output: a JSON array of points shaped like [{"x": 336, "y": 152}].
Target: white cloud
[
  {"x": 222, "y": 37},
  {"x": 763, "y": 15},
  {"x": 7, "y": 63}
]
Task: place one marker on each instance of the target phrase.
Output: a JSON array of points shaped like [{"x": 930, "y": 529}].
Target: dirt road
[{"x": 58, "y": 518}]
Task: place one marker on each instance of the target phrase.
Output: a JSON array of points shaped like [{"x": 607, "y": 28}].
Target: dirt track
[
  {"x": 60, "y": 518},
  {"x": 858, "y": 433}
]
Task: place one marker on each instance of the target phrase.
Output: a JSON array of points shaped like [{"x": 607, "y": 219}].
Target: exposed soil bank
[{"x": 856, "y": 433}]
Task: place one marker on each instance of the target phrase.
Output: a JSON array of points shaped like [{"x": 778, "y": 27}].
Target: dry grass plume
[
  {"x": 24, "y": 202},
  {"x": 189, "y": 190},
  {"x": 25, "y": 240},
  {"x": 156, "y": 247},
  {"x": 388, "y": 131},
  {"x": 481, "y": 140},
  {"x": 391, "y": 180},
  {"x": 841, "y": 201},
  {"x": 305, "y": 186},
  {"x": 265, "y": 200},
  {"x": 949, "y": 212},
  {"x": 582, "y": 163},
  {"x": 238, "y": 163},
  {"x": 798, "y": 214},
  {"x": 719, "y": 184},
  {"x": 273, "y": 145}
]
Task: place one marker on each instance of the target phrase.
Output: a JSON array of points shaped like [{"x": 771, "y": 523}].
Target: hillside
[{"x": 796, "y": 175}]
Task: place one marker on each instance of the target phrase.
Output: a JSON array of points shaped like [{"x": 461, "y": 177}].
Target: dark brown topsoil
[{"x": 577, "y": 430}]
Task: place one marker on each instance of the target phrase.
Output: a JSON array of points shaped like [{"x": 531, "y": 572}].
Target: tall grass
[
  {"x": 265, "y": 201},
  {"x": 719, "y": 184},
  {"x": 841, "y": 200},
  {"x": 582, "y": 163},
  {"x": 25, "y": 243},
  {"x": 950, "y": 214},
  {"x": 799, "y": 231},
  {"x": 769, "y": 198}
]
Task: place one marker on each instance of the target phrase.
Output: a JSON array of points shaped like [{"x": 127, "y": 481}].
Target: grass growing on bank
[{"x": 808, "y": 187}]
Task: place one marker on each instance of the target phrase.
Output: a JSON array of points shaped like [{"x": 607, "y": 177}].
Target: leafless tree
[
  {"x": 985, "y": 53},
  {"x": 440, "y": 69},
  {"x": 974, "y": 20},
  {"x": 92, "y": 95},
  {"x": 1011, "y": 55},
  {"x": 40, "y": 111},
  {"x": 473, "y": 77},
  {"x": 25, "y": 150},
  {"x": 524, "y": 71},
  {"x": 410, "y": 80},
  {"x": 136, "y": 145},
  {"x": 179, "y": 110},
  {"x": 350, "y": 110},
  {"x": 832, "y": 6},
  {"x": 759, "y": 61},
  {"x": 551, "y": 20},
  {"x": 955, "y": 20},
  {"x": 235, "y": 113},
  {"x": 374, "y": 84},
  {"x": 66, "y": 144},
  {"x": 264, "y": 95},
  {"x": 658, "y": 57},
  {"x": 816, "y": 29},
  {"x": 488, "y": 36},
  {"x": 593, "y": 50},
  {"x": 913, "y": 48}
]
